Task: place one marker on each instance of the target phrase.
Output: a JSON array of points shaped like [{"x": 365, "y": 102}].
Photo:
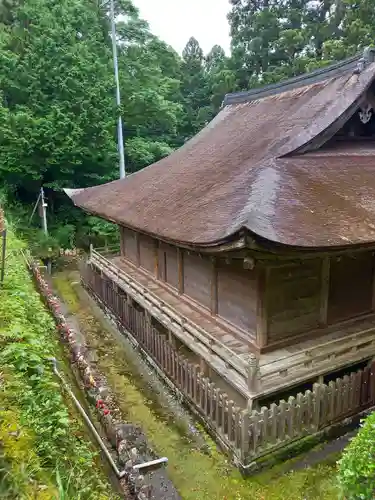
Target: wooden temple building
[{"x": 251, "y": 249}]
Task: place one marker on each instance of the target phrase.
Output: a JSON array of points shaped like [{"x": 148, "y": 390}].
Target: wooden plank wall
[
  {"x": 237, "y": 295},
  {"x": 147, "y": 253},
  {"x": 293, "y": 299},
  {"x": 350, "y": 286},
  {"x": 168, "y": 264},
  {"x": 129, "y": 245},
  {"x": 197, "y": 278},
  {"x": 225, "y": 288},
  {"x": 247, "y": 434}
]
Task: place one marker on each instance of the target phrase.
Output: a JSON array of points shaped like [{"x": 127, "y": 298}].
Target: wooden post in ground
[{"x": 253, "y": 374}]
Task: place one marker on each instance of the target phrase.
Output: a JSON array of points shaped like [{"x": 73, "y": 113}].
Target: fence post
[
  {"x": 317, "y": 404},
  {"x": 253, "y": 374},
  {"x": 245, "y": 436}
]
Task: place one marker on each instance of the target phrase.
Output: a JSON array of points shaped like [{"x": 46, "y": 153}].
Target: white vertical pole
[
  {"x": 44, "y": 223},
  {"x": 120, "y": 140},
  {"x": 44, "y": 214}
]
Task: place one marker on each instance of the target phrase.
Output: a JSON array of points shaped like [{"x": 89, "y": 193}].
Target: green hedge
[{"x": 357, "y": 465}]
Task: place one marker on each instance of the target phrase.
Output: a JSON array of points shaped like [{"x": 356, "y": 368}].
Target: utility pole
[
  {"x": 43, "y": 211},
  {"x": 43, "y": 205},
  {"x": 120, "y": 140}
]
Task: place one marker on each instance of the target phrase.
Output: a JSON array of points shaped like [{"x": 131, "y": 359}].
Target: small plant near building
[{"x": 357, "y": 465}]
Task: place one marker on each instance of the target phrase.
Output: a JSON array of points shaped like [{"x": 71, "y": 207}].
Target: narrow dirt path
[{"x": 196, "y": 474}]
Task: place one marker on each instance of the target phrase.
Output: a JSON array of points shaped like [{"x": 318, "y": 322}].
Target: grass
[
  {"x": 195, "y": 474},
  {"x": 45, "y": 452}
]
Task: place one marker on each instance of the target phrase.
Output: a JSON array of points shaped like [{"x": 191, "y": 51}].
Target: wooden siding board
[
  {"x": 350, "y": 286},
  {"x": 197, "y": 278},
  {"x": 214, "y": 287},
  {"x": 237, "y": 292},
  {"x": 324, "y": 296},
  {"x": 180, "y": 258},
  {"x": 147, "y": 253},
  {"x": 172, "y": 266},
  {"x": 262, "y": 315},
  {"x": 129, "y": 244},
  {"x": 294, "y": 299}
]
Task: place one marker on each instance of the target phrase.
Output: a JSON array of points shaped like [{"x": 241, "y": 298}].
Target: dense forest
[{"x": 57, "y": 106}]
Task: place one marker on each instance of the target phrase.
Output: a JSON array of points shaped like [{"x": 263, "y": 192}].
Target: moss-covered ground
[
  {"x": 197, "y": 475},
  {"x": 45, "y": 451}
]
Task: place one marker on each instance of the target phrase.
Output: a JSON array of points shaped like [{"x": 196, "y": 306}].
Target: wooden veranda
[{"x": 247, "y": 432}]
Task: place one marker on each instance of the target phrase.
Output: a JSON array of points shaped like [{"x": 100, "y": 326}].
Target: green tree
[
  {"x": 221, "y": 79},
  {"x": 56, "y": 85},
  {"x": 149, "y": 81},
  {"x": 273, "y": 39},
  {"x": 195, "y": 90}
]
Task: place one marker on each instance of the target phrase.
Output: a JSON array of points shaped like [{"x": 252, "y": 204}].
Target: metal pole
[
  {"x": 44, "y": 214},
  {"x": 119, "y": 474},
  {"x": 35, "y": 207},
  {"x": 120, "y": 140},
  {"x": 44, "y": 223}
]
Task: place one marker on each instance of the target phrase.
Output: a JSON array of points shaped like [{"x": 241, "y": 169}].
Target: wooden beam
[
  {"x": 262, "y": 313},
  {"x": 324, "y": 291},
  {"x": 214, "y": 287},
  {"x": 180, "y": 265}
]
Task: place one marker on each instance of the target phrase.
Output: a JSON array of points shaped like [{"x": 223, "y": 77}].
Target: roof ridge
[{"x": 353, "y": 63}]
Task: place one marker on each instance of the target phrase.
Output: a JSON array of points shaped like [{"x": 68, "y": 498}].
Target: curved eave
[
  {"x": 237, "y": 241},
  {"x": 245, "y": 239},
  {"x": 72, "y": 192},
  {"x": 285, "y": 249}
]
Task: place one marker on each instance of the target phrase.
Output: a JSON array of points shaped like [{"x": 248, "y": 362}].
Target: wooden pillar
[
  {"x": 156, "y": 259},
  {"x": 324, "y": 292},
  {"x": 122, "y": 249},
  {"x": 138, "y": 249},
  {"x": 180, "y": 264},
  {"x": 203, "y": 367},
  {"x": 262, "y": 313},
  {"x": 214, "y": 295},
  {"x": 373, "y": 281}
]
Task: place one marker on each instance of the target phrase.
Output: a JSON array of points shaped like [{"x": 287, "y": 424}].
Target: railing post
[
  {"x": 91, "y": 248},
  {"x": 253, "y": 374}
]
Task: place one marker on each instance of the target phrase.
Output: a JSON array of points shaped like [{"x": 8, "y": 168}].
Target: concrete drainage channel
[
  {"x": 144, "y": 473},
  {"x": 139, "y": 469}
]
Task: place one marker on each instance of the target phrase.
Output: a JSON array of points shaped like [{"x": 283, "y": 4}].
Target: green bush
[
  {"x": 58, "y": 447},
  {"x": 357, "y": 465}
]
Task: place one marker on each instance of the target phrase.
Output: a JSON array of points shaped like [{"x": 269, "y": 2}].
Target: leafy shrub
[
  {"x": 27, "y": 339},
  {"x": 357, "y": 466},
  {"x": 21, "y": 472}
]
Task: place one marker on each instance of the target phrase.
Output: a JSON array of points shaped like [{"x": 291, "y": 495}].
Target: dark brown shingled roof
[{"x": 231, "y": 176}]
